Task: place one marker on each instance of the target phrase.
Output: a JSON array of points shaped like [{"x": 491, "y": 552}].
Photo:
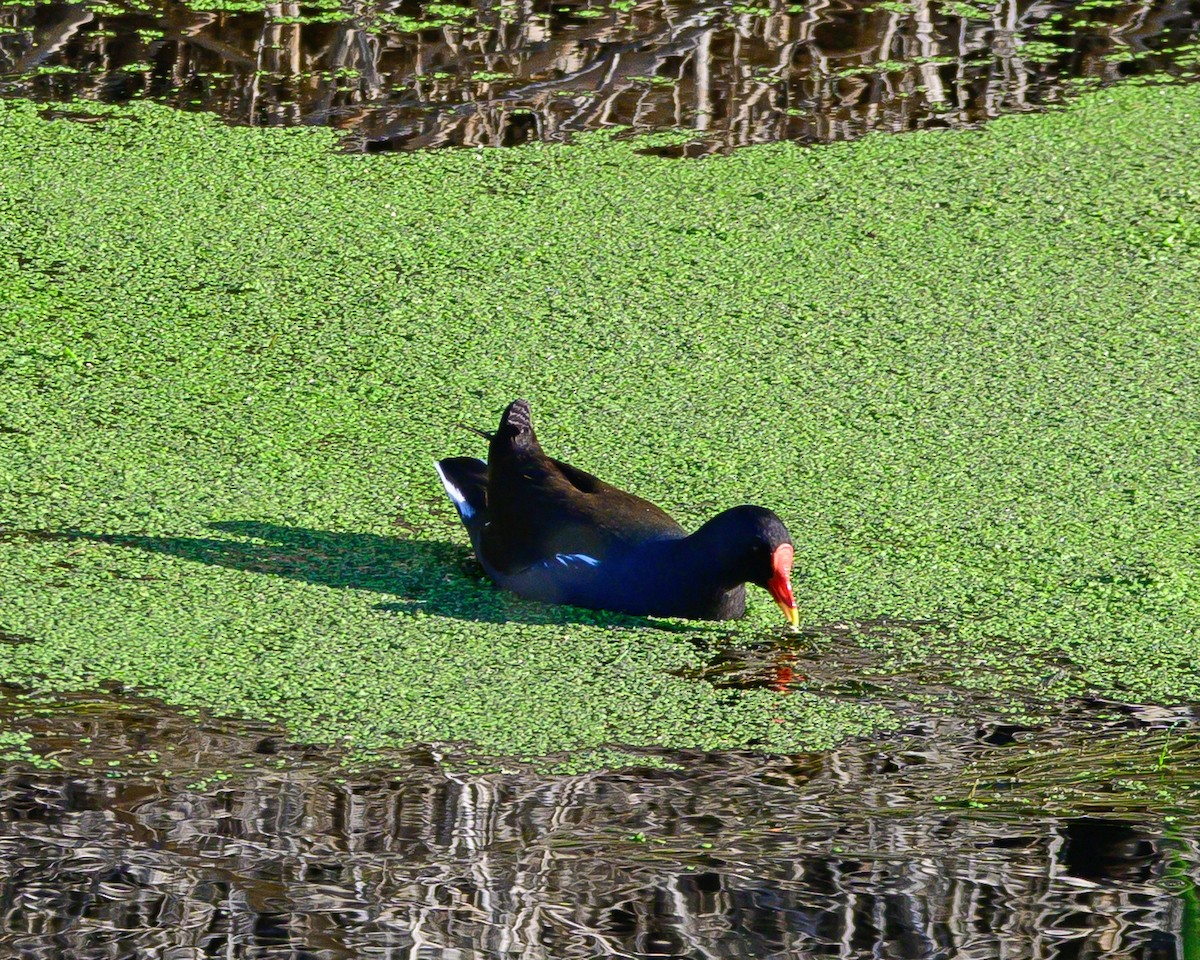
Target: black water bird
[{"x": 548, "y": 531}]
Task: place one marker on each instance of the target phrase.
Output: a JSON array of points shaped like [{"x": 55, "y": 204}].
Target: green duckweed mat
[{"x": 964, "y": 368}]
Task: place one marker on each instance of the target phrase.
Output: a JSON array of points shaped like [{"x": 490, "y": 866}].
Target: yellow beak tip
[{"x": 792, "y": 614}]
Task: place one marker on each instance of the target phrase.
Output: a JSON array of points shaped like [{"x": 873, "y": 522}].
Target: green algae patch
[{"x": 961, "y": 367}]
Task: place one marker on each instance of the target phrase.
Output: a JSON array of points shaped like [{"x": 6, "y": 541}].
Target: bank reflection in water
[
  {"x": 745, "y": 859},
  {"x": 405, "y": 75}
]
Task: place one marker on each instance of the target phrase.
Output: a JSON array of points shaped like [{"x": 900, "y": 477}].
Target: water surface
[
  {"x": 194, "y": 837},
  {"x": 403, "y": 75}
]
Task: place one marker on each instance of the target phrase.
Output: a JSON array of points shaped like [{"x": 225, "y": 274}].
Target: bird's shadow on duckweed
[{"x": 434, "y": 578}]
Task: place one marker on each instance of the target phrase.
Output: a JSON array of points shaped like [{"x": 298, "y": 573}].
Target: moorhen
[{"x": 548, "y": 531}]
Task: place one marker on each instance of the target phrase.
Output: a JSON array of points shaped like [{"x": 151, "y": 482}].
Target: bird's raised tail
[
  {"x": 465, "y": 480},
  {"x": 515, "y": 434}
]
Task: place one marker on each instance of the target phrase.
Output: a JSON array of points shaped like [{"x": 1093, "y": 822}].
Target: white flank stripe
[{"x": 566, "y": 558}]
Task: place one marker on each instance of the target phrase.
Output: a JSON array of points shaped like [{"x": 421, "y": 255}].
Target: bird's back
[{"x": 539, "y": 508}]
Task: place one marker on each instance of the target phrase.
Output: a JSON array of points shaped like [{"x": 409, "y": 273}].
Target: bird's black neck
[{"x": 708, "y": 569}]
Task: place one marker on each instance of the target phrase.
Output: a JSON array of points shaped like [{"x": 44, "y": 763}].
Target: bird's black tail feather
[
  {"x": 517, "y": 417},
  {"x": 515, "y": 433},
  {"x": 465, "y": 482}
]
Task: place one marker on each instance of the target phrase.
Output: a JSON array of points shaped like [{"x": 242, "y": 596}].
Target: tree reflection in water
[
  {"x": 842, "y": 854},
  {"x": 498, "y": 72}
]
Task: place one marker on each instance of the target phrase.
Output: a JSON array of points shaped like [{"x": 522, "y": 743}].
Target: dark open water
[
  {"x": 403, "y": 75},
  {"x": 217, "y": 839}
]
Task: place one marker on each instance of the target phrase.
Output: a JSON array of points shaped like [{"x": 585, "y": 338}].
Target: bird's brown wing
[{"x": 539, "y": 507}]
